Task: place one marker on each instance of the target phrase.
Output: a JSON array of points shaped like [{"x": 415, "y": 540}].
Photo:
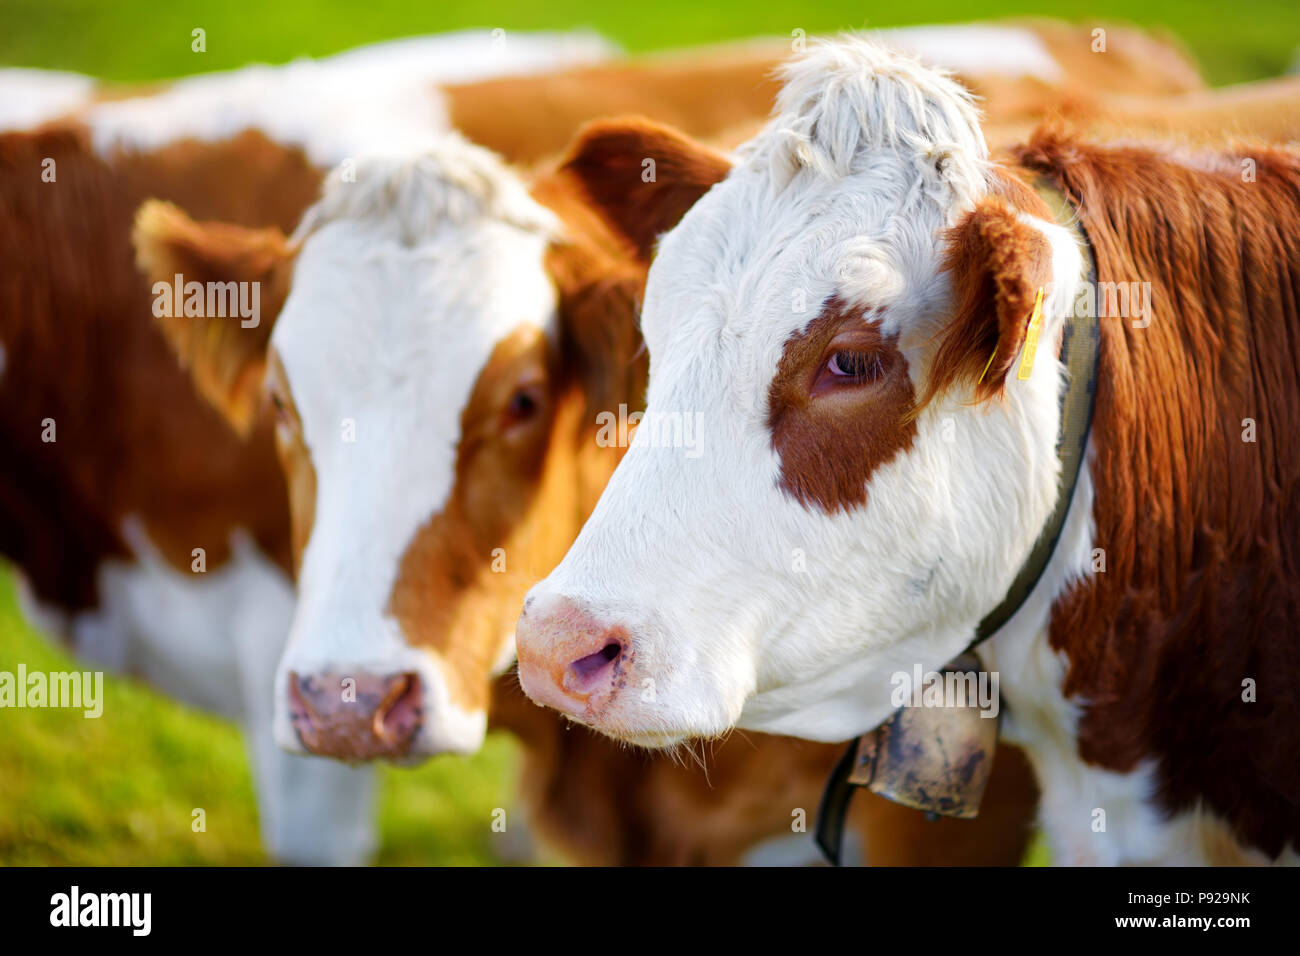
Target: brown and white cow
[
  {"x": 900, "y": 433},
  {"x": 116, "y": 471},
  {"x": 446, "y": 347}
]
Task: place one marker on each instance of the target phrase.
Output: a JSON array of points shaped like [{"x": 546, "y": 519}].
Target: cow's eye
[
  {"x": 522, "y": 407},
  {"x": 851, "y": 367},
  {"x": 281, "y": 408}
]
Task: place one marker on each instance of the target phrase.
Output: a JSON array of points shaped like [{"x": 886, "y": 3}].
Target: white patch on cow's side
[
  {"x": 212, "y": 641},
  {"x": 372, "y": 100},
  {"x": 173, "y": 629},
  {"x": 29, "y": 98},
  {"x": 407, "y": 280},
  {"x": 978, "y": 49},
  {"x": 846, "y": 192}
]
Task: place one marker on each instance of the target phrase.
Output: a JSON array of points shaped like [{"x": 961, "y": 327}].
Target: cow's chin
[
  {"x": 653, "y": 728},
  {"x": 653, "y": 741}
]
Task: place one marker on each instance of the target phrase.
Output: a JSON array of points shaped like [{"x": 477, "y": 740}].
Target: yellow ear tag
[{"x": 1031, "y": 339}]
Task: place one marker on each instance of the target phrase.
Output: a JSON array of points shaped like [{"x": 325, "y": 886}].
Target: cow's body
[
  {"x": 899, "y": 433},
  {"x": 1022, "y": 70},
  {"x": 1177, "y": 665}
]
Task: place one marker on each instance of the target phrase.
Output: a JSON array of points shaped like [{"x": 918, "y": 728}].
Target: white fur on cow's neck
[{"x": 408, "y": 277}]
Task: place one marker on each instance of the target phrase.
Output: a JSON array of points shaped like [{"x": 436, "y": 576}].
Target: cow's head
[
  {"x": 434, "y": 370},
  {"x": 844, "y": 314}
]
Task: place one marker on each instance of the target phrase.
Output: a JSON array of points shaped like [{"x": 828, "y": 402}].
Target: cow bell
[{"x": 935, "y": 759}]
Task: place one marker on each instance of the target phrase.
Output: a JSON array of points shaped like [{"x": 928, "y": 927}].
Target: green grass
[
  {"x": 143, "y": 39},
  {"x": 120, "y": 790}
]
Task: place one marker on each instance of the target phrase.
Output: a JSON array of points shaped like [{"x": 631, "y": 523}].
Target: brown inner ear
[
  {"x": 642, "y": 176},
  {"x": 997, "y": 264},
  {"x": 227, "y": 360},
  {"x": 600, "y": 343}
]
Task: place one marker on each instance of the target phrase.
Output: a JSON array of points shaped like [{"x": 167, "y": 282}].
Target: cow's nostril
[
  {"x": 398, "y": 715},
  {"x": 593, "y": 664},
  {"x": 359, "y": 716}
]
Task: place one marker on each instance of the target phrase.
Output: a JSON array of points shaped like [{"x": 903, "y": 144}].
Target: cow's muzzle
[{"x": 356, "y": 716}]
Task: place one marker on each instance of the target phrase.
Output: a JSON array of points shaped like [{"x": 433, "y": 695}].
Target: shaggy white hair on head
[
  {"x": 845, "y": 99},
  {"x": 409, "y": 196}
]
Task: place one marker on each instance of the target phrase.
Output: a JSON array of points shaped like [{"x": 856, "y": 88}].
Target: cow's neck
[{"x": 1182, "y": 600}]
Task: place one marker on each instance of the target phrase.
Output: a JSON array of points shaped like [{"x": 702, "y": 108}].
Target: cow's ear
[
  {"x": 600, "y": 338},
  {"x": 225, "y": 352},
  {"x": 998, "y": 263},
  {"x": 642, "y": 176}
]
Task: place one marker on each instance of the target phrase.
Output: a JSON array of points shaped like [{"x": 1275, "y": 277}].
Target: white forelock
[
  {"x": 407, "y": 197},
  {"x": 843, "y": 100}
]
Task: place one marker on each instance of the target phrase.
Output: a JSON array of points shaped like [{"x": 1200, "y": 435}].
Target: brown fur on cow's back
[{"x": 1201, "y": 527}]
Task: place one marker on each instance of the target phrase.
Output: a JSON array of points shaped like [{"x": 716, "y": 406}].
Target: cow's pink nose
[
  {"x": 358, "y": 716},
  {"x": 569, "y": 660}
]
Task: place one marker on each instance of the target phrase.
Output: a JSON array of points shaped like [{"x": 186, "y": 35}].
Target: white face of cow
[
  {"x": 835, "y": 523},
  {"x": 407, "y": 282},
  {"x": 442, "y": 348}
]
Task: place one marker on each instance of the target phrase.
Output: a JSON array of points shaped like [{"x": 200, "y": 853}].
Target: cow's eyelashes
[
  {"x": 847, "y": 368},
  {"x": 851, "y": 367}
]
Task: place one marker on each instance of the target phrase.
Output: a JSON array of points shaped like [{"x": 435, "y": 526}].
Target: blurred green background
[
  {"x": 120, "y": 791},
  {"x": 143, "y": 39}
]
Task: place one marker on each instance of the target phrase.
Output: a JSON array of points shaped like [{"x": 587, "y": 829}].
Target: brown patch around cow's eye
[{"x": 839, "y": 406}]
